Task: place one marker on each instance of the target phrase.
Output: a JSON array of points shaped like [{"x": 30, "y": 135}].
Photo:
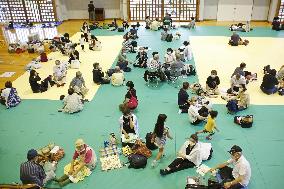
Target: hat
[
  {"x": 32, "y": 153},
  {"x": 235, "y": 149},
  {"x": 79, "y": 142}
]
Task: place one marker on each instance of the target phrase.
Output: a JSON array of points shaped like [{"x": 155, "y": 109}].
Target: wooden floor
[{"x": 16, "y": 62}]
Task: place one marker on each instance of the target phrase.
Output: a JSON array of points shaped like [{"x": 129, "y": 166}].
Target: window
[
  {"x": 20, "y": 11},
  {"x": 281, "y": 11},
  {"x": 180, "y": 10}
]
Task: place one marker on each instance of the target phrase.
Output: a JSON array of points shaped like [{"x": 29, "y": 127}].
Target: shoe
[
  {"x": 208, "y": 138},
  {"x": 154, "y": 163},
  {"x": 179, "y": 111},
  {"x": 60, "y": 110},
  {"x": 163, "y": 172}
]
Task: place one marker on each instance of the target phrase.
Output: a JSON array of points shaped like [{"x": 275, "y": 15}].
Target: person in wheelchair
[
  {"x": 154, "y": 69},
  {"x": 175, "y": 69}
]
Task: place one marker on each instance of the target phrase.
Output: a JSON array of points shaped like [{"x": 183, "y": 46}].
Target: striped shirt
[{"x": 32, "y": 173}]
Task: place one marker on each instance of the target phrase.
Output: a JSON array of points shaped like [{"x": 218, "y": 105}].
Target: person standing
[{"x": 91, "y": 10}]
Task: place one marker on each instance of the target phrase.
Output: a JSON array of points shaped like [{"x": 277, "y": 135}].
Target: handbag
[{"x": 133, "y": 102}]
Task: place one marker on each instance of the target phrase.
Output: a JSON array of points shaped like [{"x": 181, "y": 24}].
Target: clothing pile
[
  {"x": 84, "y": 172},
  {"x": 110, "y": 162}
]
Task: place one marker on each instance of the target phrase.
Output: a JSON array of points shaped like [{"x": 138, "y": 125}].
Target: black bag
[
  {"x": 169, "y": 38},
  {"x": 244, "y": 121},
  {"x": 150, "y": 146},
  {"x": 195, "y": 186},
  {"x": 134, "y": 43},
  {"x": 203, "y": 111},
  {"x": 137, "y": 161},
  {"x": 120, "y": 29}
]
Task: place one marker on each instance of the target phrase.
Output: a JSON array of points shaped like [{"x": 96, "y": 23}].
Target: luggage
[
  {"x": 150, "y": 145},
  {"x": 75, "y": 64},
  {"x": 244, "y": 121},
  {"x": 137, "y": 161},
  {"x": 120, "y": 29}
]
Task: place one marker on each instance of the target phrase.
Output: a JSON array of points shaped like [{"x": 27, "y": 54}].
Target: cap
[
  {"x": 235, "y": 149},
  {"x": 32, "y": 153},
  {"x": 79, "y": 142}
]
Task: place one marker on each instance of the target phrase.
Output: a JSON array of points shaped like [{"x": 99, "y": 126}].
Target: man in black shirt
[
  {"x": 183, "y": 98},
  {"x": 212, "y": 83},
  {"x": 269, "y": 83},
  {"x": 91, "y": 10}
]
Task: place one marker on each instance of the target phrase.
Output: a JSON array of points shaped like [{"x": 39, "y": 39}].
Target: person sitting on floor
[
  {"x": 86, "y": 157},
  {"x": 142, "y": 58},
  {"x": 98, "y": 75},
  {"x": 187, "y": 51},
  {"x": 117, "y": 78},
  {"x": 269, "y": 83},
  {"x": 183, "y": 101},
  {"x": 131, "y": 92},
  {"x": 74, "y": 54},
  {"x": 59, "y": 73},
  {"x": 241, "y": 101},
  {"x": 280, "y": 73},
  {"x": 196, "y": 112},
  {"x": 128, "y": 126},
  {"x": 175, "y": 68},
  {"x": 148, "y": 22},
  {"x": 212, "y": 83},
  {"x": 237, "y": 40},
  {"x": 237, "y": 177},
  {"x": 125, "y": 24},
  {"x": 72, "y": 103},
  {"x": 169, "y": 57},
  {"x": 9, "y": 96},
  {"x": 78, "y": 84},
  {"x": 236, "y": 81},
  {"x": 31, "y": 172},
  {"x": 190, "y": 25},
  {"x": 276, "y": 24},
  {"x": 122, "y": 61},
  {"x": 93, "y": 43},
  {"x": 39, "y": 87},
  {"x": 210, "y": 126},
  {"x": 155, "y": 25},
  {"x": 190, "y": 155},
  {"x": 164, "y": 34}
]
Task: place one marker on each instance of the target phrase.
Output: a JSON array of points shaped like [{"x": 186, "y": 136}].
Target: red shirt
[{"x": 88, "y": 154}]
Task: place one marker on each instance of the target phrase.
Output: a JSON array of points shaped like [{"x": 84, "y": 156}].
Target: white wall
[
  {"x": 210, "y": 9},
  {"x": 260, "y": 9},
  {"x": 78, "y": 9}
]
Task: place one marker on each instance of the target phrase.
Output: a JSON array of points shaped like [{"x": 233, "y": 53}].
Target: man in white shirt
[
  {"x": 236, "y": 81},
  {"x": 238, "y": 176},
  {"x": 117, "y": 78}
]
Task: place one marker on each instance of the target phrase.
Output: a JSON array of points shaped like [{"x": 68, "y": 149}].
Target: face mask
[
  {"x": 124, "y": 54},
  {"x": 213, "y": 76},
  {"x": 169, "y": 53}
]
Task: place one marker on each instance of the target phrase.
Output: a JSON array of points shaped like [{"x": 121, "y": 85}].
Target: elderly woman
[
  {"x": 84, "y": 157},
  {"x": 9, "y": 96},
  {"x": 72, "y": 102},
  {"x": 191, "y": 154},
  {"x": 78, "y": 84},
  {"x": 59, "y": 73}
]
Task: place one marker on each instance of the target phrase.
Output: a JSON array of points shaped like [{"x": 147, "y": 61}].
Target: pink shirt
[{"x": 88, "y": 155}]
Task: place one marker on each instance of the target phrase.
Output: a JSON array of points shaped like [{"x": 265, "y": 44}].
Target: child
[
  {"x": 82, "y": 41},
  {"x": 210, "y": 125}
]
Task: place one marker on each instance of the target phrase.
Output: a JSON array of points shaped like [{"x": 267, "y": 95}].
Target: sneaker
[
  {"x": 163, "y": 172},
  {"x": 179, "y": 111},
  {"x": 154, "y": 163}
]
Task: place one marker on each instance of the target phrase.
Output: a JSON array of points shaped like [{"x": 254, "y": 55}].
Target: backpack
[
  {"x": 137, "y": 161},
  {"x": 132, "y": 103},
  {"x": 281, "y": 91},
  {"x": 232, "y": 106},
  {"x": 244, "y": 121},
  {"x": 149, "y": 144},
  {"x": 189, "y": 69},
  {"x": 120, "y": 29},
  {"x": 169, "y": 38}
]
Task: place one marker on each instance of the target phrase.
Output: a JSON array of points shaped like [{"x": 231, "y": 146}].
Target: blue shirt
[{"x": 32, "y": 173}]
